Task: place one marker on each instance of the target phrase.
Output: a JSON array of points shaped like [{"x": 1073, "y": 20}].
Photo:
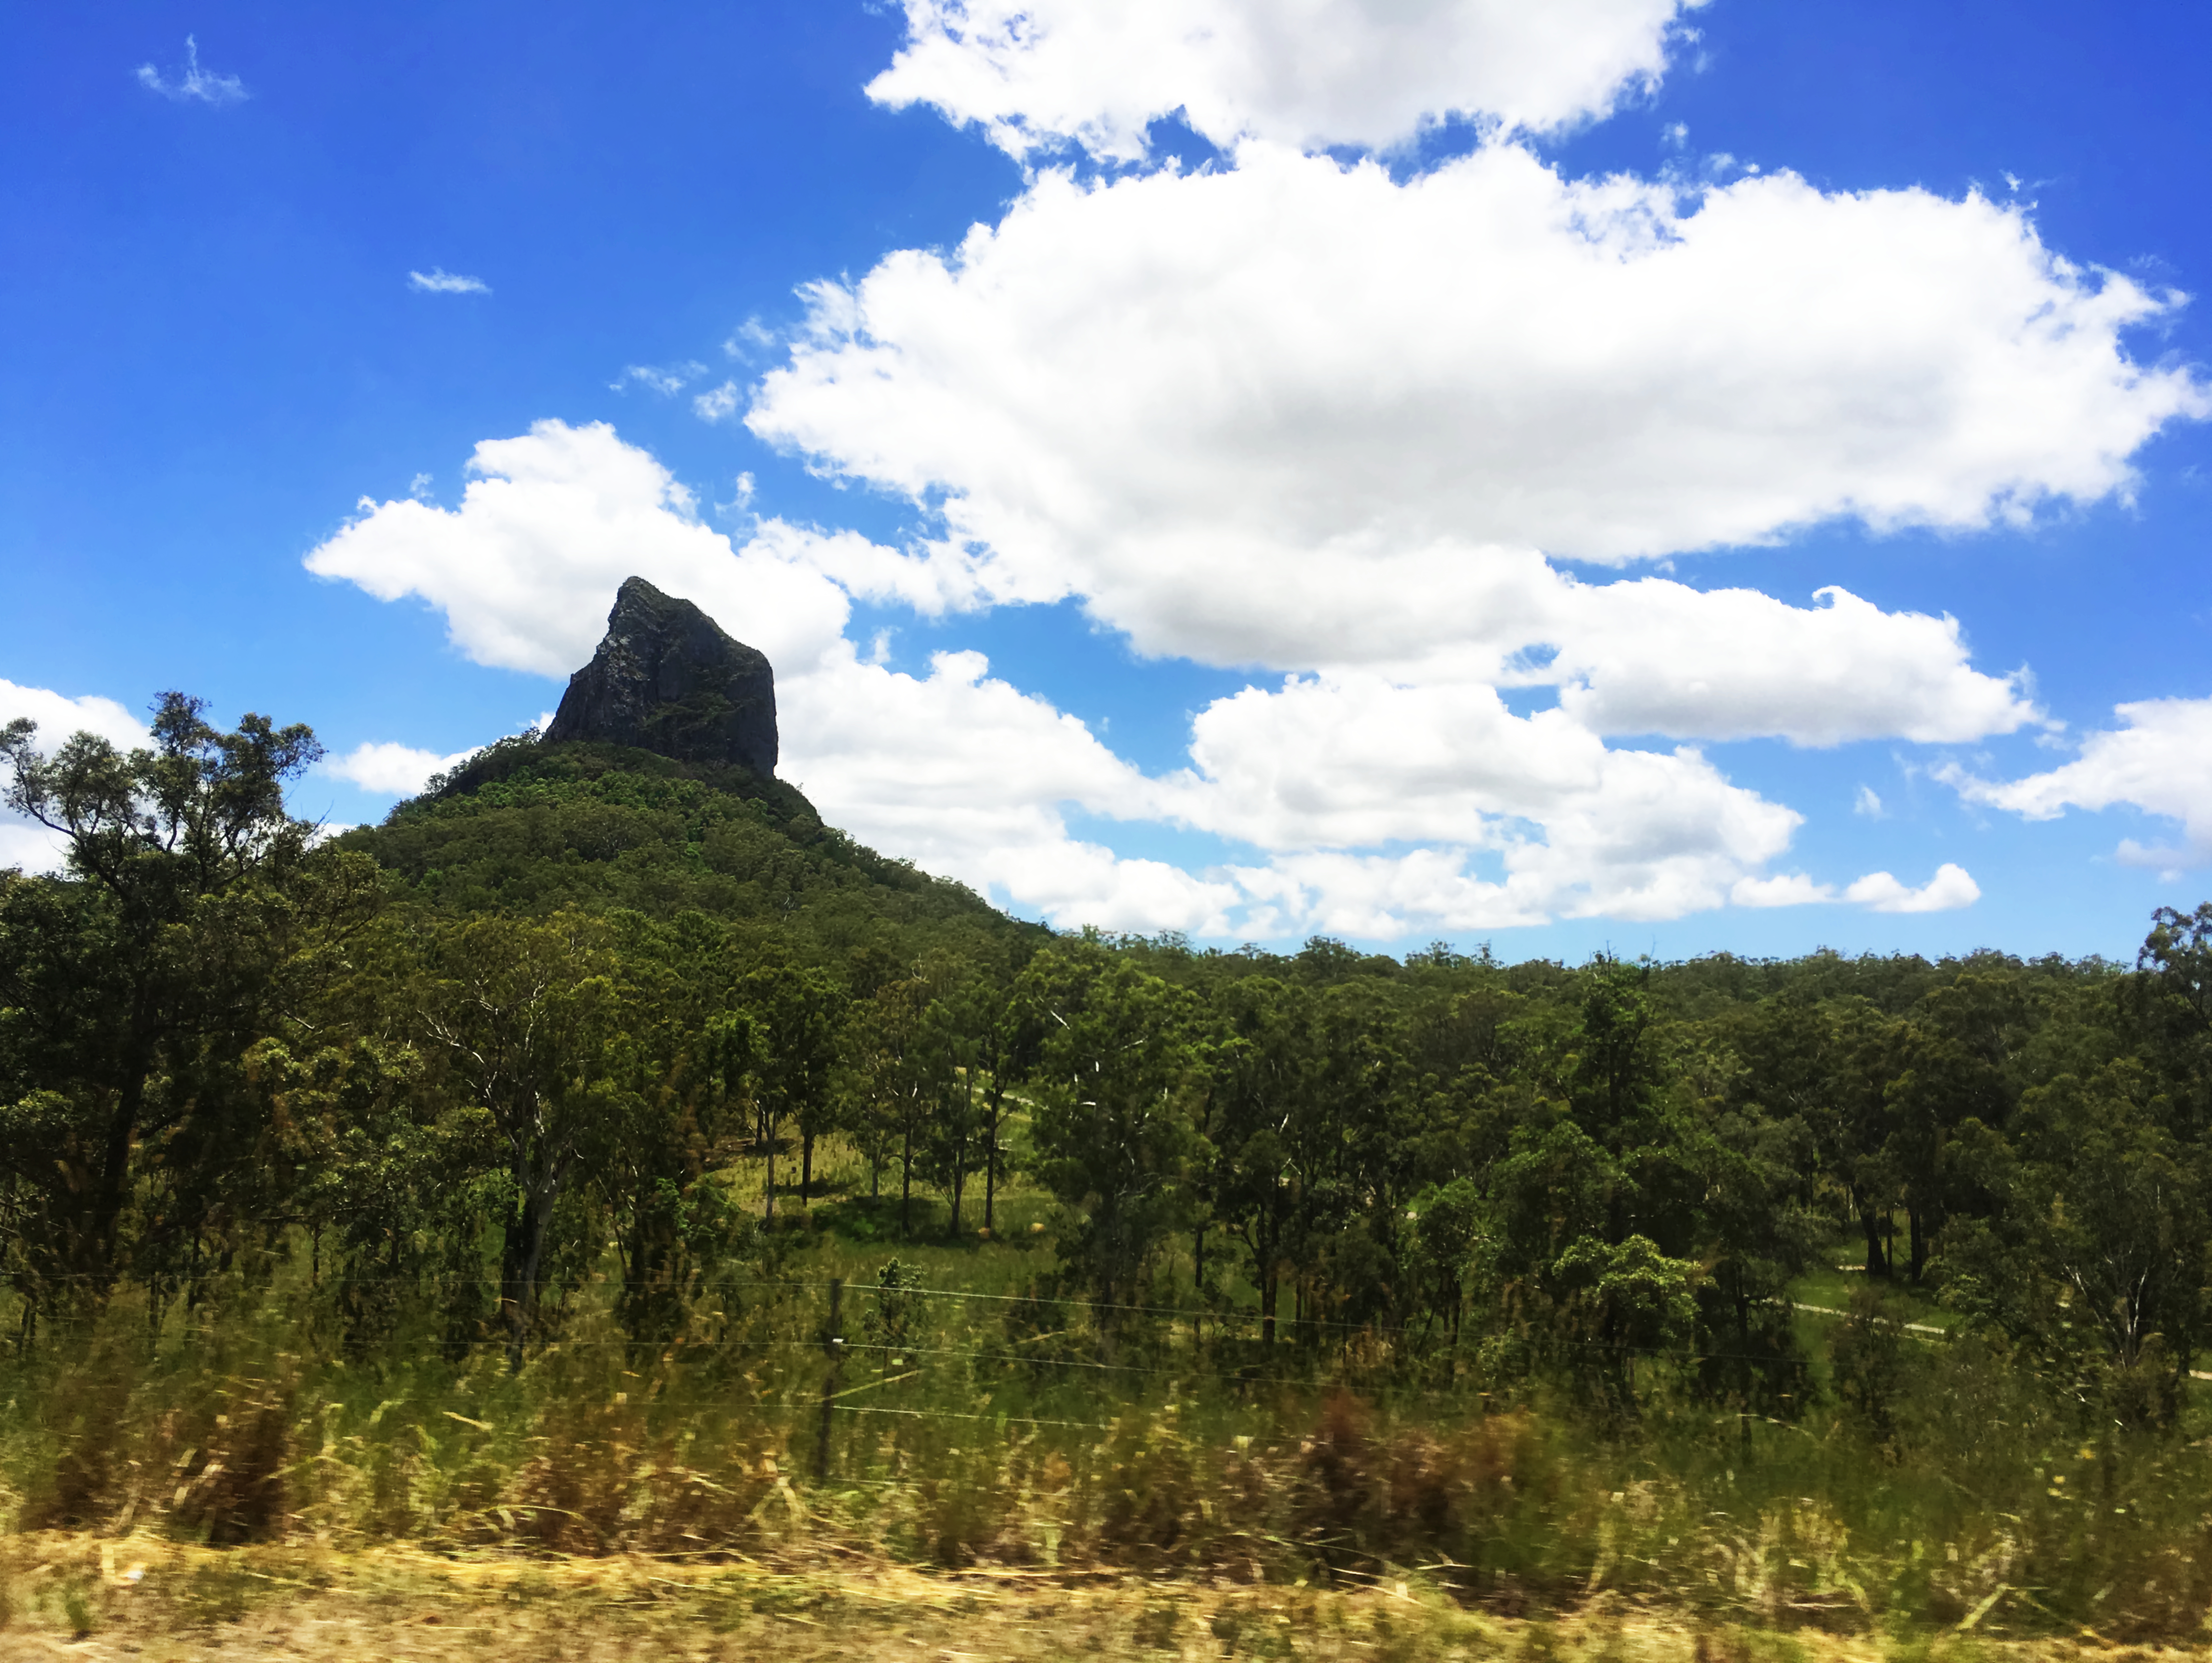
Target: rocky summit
[{"x": 666, "y": 679}]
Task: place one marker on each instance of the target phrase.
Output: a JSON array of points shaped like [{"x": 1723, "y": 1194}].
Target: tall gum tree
[{"x": 181, "y": 929}]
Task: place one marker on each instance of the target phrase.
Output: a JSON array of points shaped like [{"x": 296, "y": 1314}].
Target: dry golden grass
[{"x": 157, "y": 1601}]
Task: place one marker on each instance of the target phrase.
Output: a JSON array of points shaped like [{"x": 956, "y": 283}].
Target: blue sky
[{"x": 1511, "y": 396}]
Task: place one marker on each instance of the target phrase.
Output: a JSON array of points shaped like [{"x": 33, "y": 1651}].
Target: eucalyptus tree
[
  {"x": 193, "y": 913},
  {"x": 900, "y": 1069},
  {"x": 999, "y": 1036},
  {"x": 793, "y": 1019},
  {"x": 525, "y": 1018},
  {"x": 1112, "y": 1133},
  {"x": 2092, "y": 1257},
  {"x": 2172, "y": 1001},
  {"x": 1264, "y": 1067},
  {"x": 1950, "y": 1066}
]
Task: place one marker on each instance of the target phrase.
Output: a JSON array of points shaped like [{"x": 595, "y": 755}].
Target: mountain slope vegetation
[
  {"x": 601, "y": 1153},
  {"x": 527, "y": 828}
]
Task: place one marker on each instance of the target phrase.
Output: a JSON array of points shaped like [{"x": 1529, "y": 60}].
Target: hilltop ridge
[{"x": 654, "y": 790}]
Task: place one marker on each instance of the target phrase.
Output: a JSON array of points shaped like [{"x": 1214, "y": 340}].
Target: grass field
[
  {"x": 1838, "y": 1272},
  {"x": 162, "y": 1602},
  {"x": 980, "y": 1473}
]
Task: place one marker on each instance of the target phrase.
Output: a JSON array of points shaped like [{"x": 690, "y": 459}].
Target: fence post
[{"x": 833, "y": 1345}]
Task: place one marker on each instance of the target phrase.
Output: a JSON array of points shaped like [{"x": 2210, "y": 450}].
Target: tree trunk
[
  {"x": 1197, "y": 1282},
  {"x": 991, "y": 1162},
  {"x": 906, "y": 1182},
  {"x": 115, "y": 1169},
  {"x": 526, "y": 1253},
  {"x": 771, "y": 1172},
  {"x": 805, "y": 1167},
  {"x": 1877, "y": 1259}
]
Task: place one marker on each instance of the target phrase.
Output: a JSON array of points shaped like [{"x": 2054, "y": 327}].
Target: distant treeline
[{"x": 557, "y": 1001}]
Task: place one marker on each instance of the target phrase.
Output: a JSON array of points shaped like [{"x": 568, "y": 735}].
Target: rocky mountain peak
[{"x": 667, "y": 678}]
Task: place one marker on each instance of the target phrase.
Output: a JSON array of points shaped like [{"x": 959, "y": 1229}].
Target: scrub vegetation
[{"x": 603, "y": 1189}]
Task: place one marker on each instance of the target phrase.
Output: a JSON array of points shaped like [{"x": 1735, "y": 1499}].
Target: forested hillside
[
  {"x": 536, "y": 1157},
  {"x": 527, "y": 828}
]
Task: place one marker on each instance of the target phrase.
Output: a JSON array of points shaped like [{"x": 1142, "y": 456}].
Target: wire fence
[
  {"x": 1293, "y": 1362},
  {"x": 1250, "y": 1315}
]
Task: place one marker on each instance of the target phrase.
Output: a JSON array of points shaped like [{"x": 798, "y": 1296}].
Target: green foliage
[
  {"x": 891, "y": 1321},
  {"x": 529, "y": 829},
  {"x": 195, "y": 919},
  {"x": 440, "y": 1181},
  {"x": 1617, "y": 1302},
  {"x": 1112, "y": 1139}
]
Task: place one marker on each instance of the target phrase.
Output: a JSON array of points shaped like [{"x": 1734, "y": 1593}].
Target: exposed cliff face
[{"x": 667, "y": 679}]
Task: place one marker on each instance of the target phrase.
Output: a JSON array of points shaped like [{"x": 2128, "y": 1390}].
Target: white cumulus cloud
[
  {"x": 1358, "y": 430},
  {"x": 439, "y": 281},
  {"x": 1785, "y": 889},
  {"x": 1358, "y": 761},
  {"x": 1950, "y": 888},
  {"x": 1300, "y": 414},
  {"x": 59, "y": 718},
  {"x": 1301, "y": 72},
  {"x": 955, "y": 769},
  {"x": 29, "y": 848},
  {"x": 548, "y": 524},
  {"x": 2160, "y": 762},
  {"x": 1653, "y": 656},
  {"x": 389, "y": 769},
  {"x": 1325, "y": 778}
]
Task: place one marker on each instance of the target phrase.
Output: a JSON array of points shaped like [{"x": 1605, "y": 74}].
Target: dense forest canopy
[
  {"x": 581, "y": 1017},
  {"x": 557, "y": 994}
]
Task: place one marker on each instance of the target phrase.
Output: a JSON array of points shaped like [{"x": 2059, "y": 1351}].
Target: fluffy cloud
[
  {"x": 955, "y": 769},
  {"x": 1879, "y": 891},
  {"x": 388, "y": 768},
  {"x": 2160, "y": 763},
  {"x": 1301, "y": 415},
  {"x": 1522, "y": 819},
  {"x": 1327, "y": 777},
  {"x": 1785, "y": 889},
  {"x": 1356, "y": 762},
  {"x": 548, "y": 524},
  {"x": 1359, "y": 72},
  {"x": 1948, "y": 889},
  {"x": 1656, "y": 656},
  {"x": 58, "y": 717}
]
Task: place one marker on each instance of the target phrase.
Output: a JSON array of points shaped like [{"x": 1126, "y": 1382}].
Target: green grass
[
  {"x": 991, "y": 1432},
  {"x": 1838, "y": 1272}
]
